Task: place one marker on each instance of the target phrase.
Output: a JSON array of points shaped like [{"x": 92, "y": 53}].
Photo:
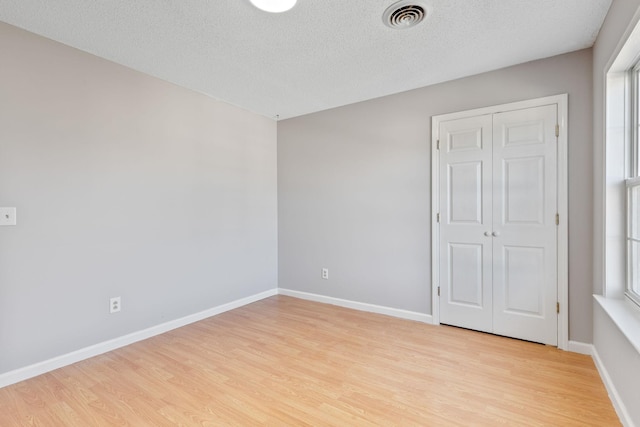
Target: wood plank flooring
[{"x": 288, "y": 362}]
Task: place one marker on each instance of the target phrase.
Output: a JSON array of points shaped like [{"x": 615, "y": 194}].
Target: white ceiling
[{"x": 319, "y": 55}]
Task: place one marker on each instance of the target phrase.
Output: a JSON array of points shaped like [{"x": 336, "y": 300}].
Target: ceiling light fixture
[{"x": 274, "y": 6}]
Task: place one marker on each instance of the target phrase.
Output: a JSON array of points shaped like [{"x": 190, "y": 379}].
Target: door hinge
[
  {"x": 557, "y": 131},
  {"x": 557, "y": 219},
  {"x": 437, "y": 144},
  {"x": 558, "y": 307},
  {"x": 438, "y": 218},
  {"x": 438, "y": 290}
]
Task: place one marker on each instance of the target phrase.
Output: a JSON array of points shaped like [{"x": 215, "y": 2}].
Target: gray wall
[
  {"x": 125, "y": 185},
  {"x": 354, "y": 187}
]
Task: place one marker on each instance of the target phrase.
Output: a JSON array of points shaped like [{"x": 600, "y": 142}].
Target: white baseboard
[
  {"x": 40, "y": 368},
  {"x": 580, "y": 347},
  {"x": 619, "y": 407},
  {"x": 372, "y": 308}
]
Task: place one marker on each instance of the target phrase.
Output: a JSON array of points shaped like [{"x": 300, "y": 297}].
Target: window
[
  {"x": 633, "y": 189},
  {"x": 633, "y": 239}
]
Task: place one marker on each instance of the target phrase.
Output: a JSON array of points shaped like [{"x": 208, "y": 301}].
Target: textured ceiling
[{"x": 319, "y": 55}]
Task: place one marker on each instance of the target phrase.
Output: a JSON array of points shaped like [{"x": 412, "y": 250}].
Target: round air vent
[{"x": 404, "y": 14}]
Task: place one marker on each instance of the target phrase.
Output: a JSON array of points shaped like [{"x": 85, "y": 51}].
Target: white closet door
[
  {"x": 524, "y": 222},
  {"x": 465, "y": 218},
  {"x": 498, "y": 233}
]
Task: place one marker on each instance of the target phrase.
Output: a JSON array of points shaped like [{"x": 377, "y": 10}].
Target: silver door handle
[
  {"x": 486, "y": 233},
  {"x": 495, "y": 233}
]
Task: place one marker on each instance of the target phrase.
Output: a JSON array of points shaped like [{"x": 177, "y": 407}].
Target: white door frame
[{"x": 563, "y": 202}]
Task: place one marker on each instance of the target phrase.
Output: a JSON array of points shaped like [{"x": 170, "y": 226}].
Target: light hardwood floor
[{"x": 288, "y": 362}]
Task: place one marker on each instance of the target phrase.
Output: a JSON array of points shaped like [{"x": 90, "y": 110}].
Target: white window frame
[
  {"x": 633, "y": 88},
  {"x": 632, "y": 234}
]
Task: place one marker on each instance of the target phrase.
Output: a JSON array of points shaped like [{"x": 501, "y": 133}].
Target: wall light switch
[{"x": 7, "y": 216}]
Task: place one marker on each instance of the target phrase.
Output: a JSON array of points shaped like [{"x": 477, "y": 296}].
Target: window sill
[{"x": 625, "y": 315}]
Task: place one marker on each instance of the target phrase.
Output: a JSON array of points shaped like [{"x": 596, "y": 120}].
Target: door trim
[{"x": 562, "y": 193}]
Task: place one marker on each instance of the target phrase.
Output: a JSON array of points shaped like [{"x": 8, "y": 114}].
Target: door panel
[
  {"x": 523, "y": 280},
  {"x": 465, "y": 193},
  {"x": 523, "y": 132},
  {"x": 465, "y": 272},
  {"x": 524, "y": 191},
  {"x": 465, "y": 139},
  {"x": 524, "y": 213},
  {"x": 465, "y": 200}
]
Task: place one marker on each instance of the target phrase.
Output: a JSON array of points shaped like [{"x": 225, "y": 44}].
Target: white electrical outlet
[
  {"x": 325, "y": 273},
  {"x": 114, "y": 305},
  {"x": 7, "y": 216}
]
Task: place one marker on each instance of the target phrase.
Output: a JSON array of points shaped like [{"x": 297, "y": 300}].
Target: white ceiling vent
[{"x": 404, "y": 14}]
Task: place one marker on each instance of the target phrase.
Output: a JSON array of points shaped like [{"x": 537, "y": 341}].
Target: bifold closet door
[
  {"x": 524, "y": 220},
  {"x": 497, "y": 229},
  {"x": 466, "y": 298}
]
